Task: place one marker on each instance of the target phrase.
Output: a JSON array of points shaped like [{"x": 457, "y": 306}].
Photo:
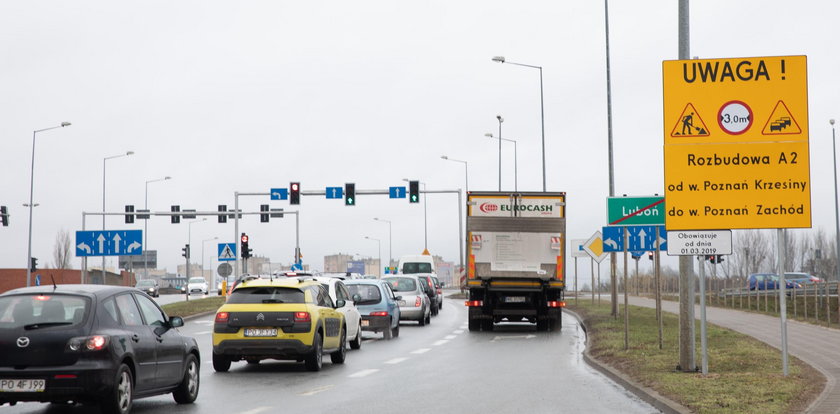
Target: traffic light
[
  {"x": 33, "y": 264},
  {"x": 4, "y": 216},
  {"x": 186, "y": 251},
  {"x": 349, "y": 194},
  {"x": 650, "y": 255},
  {"x": 129, "y": 218},
  {"x": 246, "y": 252},
  {"x": 294, "y": 193},
  {"x": 264, "y": 216},
  {"x": 175, "y": 218},
  {"x": 414, "y": 191},
  {"x": 222, "y": 217}
]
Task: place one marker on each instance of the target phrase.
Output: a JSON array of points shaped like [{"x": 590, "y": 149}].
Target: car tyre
[
  {"x": 187, "y": 390},
  {"x": 423, "y": 319},
  {"x": 388, "y": 333},
  {"x": 119, "y": 400},
  {"x": 339, "y": 356},
  {"x": 314, "y": 361},
  {"x": 434, "y": 310},
  {"x": 428, "y": 319},
  {"x": 221, "y": 363},
  {"x": 397, "y": 331},
  {"x": 356, "y": 343}
]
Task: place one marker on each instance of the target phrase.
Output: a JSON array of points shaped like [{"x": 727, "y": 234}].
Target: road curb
[{"x": 647, "y": 394}]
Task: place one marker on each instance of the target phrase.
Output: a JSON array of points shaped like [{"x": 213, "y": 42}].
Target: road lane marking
[
  {"x": 203, "y": 332},
  {"x": 363, "y": 373},
  {"x": 396, "y": 361},
  {"x": 440, "y": 342},
  {"x": 256, "y": 410},
  {"x": 317, "y": 390},
  {"x": 499, "y": 338},
  {"x": 449, "y": 337},
  {"x": 421, "y": 351},
  {"x": 458, "y": 332}
]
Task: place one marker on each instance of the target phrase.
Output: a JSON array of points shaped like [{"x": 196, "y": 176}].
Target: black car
[
  {"x": 150, "y": 286},
  {"x": 92, "y": 344}
]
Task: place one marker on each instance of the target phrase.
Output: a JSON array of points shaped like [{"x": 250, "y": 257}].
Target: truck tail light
[
  {"x": 474, "y": 303},
  {"x": 556, "y": 304},
  {"x": 379, "y": 313},
  {"x": 302, "y": 317},
  {"x": 222, "y": 317}
]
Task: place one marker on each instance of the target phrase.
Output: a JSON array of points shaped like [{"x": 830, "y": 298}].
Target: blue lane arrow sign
[
  {"x": 279, "y": 193},
  {"x": 109, "y": 243},
  {"x": 643, "y": 238},
  {"x": 396, "y": 192},
  {"x": 613, "y": 238},
  {"x": 335, "y": 192}
]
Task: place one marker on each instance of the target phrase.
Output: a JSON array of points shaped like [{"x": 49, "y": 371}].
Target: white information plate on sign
[{"x": 699, "y": 242}]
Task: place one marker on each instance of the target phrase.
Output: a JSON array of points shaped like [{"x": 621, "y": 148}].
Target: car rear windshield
[
  {"x": 369, "y": 293},
  {"x": 402, "y": 284},
  {"x": 45, "y": 310},
  {"x": 266, "y": 294},
  {"x": 417, "y": 268},
  {"x": 145, "y": 283}
]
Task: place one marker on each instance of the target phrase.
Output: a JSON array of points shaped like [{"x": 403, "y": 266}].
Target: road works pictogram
[{"x": 690, "y": 124}]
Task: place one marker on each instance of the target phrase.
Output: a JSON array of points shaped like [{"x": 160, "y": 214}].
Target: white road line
[
  {"x": 363, "y": 373},
  {"x": 203, "y": 332},
  {"x": 396, "y": 361},
  {"x": 256, "y": 410},
  {"x": 210, "y": 322},
  {"x": 458, "y": 332},
  {"x": 440, "y": 342},
  {"x": 449, "y": 337},
  {"x": 421, "y": 351},
  {"x": 317, "y": 390}
]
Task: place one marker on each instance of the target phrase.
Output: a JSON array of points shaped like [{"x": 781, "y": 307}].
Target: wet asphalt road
[{"x": 440, "y": 367}]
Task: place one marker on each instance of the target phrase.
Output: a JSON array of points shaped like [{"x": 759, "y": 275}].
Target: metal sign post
[{"x": 704, "y": 367}]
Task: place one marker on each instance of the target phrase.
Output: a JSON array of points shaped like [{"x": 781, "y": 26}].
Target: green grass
[
  {"x": 745, "y": 375},
  {"x": 194, "y": 306}
]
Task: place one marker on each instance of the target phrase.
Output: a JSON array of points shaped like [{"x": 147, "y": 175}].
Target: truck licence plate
[
  {"x": 22, "y": 385},
  {"x": 514, "y": 299},
  {"x": 260, "y": 332}
]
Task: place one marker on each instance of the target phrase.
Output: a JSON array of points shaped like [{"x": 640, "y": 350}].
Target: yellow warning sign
[
  {"x": 781, "y": 122},
  {"x": 690, "y": 124}
]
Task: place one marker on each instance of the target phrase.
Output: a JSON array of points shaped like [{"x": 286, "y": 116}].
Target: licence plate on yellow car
[
  {"x": 22, "y": 385},
  {"x": 260, "y": 331}
]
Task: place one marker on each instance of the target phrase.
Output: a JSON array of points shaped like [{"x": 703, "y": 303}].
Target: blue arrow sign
[
  {"x": 613, "y": 238},
  {"x": 335, "y": 192},
  {"x": 396, "y": 192},
  {"x": 279, "y": 193},
  {"x": 109, "y": 243},
  {"x": 639, "y": 238},
  {"x": 227, "y": 252}
]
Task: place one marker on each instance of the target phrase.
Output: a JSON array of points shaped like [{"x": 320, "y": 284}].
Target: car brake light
[
  {"x": 418, "y": 303},
  {"x": 379, "y": 313},
  {"x": 556, "y": 304},
  {"x": 222, "y": 317},
  {"x": 65, "y": 376},
  {"x": 42, "y": 297},
  {"x": 474, "y": 303},
  {"x": 302, "y": 317},
  {"x": 88, "y": 343},
  {"x": 440, "y": 291}
]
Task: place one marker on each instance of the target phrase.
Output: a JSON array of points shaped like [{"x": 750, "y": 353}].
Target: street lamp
[
  {"x": 499, "y": 117},
  {"x": 501, "y": 59},
  {"x": 103, "y": 199},
  {"x": 146, "y": 227},
  {"x": 390, "y": 255},
  {"x": 466, "y": 171},
  {"x": 425, "y": 217},
  {"x": 189, "y": 242},
  {"x": 202, "y": 257},
  {"x": 836, "y": 209},
  {"x": 32, "y": 204},
  {"x": 380, "y": 254},
  {"x": 515, "y": 159}
]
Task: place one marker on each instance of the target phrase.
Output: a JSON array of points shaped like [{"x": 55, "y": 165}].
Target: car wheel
[
  {"x": 356, "y": 343},
  {"x": 119, "y": 400},
  {"x": 338, "y": 357},
  {"x": 388, "y": 332},
  {"x": 187, "y": 390},
  {"x": 423, "y": 319},
  {"x": 428, "y": 319},
  {"x": 313, "y": 361},
  {"x": 434, "y": 310},
  {"x": 440, "y": 308},
  {"x": 396, "y": 331},
  {"x": 221, "y": 363}
]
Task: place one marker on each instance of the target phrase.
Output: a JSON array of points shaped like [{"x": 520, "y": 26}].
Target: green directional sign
[{"x": 633, "y": 211}]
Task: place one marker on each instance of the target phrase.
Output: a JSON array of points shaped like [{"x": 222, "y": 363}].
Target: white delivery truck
[{"x": 516, "y": 258}]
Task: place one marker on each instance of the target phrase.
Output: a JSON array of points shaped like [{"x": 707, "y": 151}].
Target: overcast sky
[{"x": 248, "y": 96}]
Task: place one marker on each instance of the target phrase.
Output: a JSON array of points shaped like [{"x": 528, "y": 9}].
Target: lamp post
[
  {"x": 501, "y": 59},
  {"x": 499, "y": 117},
  {"x": 103, "y": 199},
  {"x": 379, "y": 244},
  {"x": 189, "y": 242},
  {"x": 31, "y": 203},
  {"x": 425, "y": 217},
  {"x": 146, "y": 227},
  {"x": 466, "y": 171},
  {"x": 202, "y": 257},
  {"x": 390, "y": 255},
  {"x": 836, "y": 209},
  {"x": 515, "y": 159}
]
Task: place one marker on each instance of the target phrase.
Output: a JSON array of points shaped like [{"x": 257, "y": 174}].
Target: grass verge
[
  {"x": 193, "y": 306},
  {"x": 745, "y": 375}
]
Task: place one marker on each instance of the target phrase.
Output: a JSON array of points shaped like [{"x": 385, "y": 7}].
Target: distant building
[{"x": 337, "y": 263}]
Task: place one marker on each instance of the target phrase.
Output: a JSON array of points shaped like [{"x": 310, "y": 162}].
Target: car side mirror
[
  {"x": 357, "y": 298},
  {"x": 176, "y": 321},
  {"x": 340, "y": 303},
  {"x": 398, "y": 298}
]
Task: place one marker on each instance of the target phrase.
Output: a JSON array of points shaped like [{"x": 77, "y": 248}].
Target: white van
[{"x": 416, "y": 264}]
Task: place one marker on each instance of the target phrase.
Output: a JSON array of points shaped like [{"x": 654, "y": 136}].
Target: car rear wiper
[{"x": 45, "y": 325}]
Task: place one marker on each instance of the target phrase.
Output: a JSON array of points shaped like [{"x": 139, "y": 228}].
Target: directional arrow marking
[
  {"x": 117, "y": 239},
  {"x": 499, "y": 338},
  {"x": 274, "y": 194},
  {"x": 101, "y": 240},
  {"x": 611, "y": 242},
  {"x": 133, "y": 246},
  {"x": 84, "y": 247}
]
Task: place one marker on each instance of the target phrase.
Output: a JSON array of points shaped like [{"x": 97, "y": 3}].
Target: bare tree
[
  {"x": 61, "y": 250},
  {"x": 750, "y": 251}
]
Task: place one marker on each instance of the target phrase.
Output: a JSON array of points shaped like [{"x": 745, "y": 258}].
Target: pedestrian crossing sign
[
  {"x": 690, "y": 124},
  {"x": 227, "y": 252}
]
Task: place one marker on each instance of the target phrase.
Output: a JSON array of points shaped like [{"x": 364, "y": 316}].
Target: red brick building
[{"x": 15, "y": 278}]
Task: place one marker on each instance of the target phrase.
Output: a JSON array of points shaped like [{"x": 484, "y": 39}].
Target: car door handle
[
  {"x": 135, "y": 338},
  {"x": 159, "y": 338}
]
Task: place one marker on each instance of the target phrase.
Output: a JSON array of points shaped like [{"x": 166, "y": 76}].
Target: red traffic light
[
  {"x": 294, "y": 186},
  {"x": 244, "y": 238}
]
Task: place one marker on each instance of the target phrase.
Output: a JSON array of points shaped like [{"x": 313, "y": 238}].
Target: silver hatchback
[{"x": 414, "y": 305}]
